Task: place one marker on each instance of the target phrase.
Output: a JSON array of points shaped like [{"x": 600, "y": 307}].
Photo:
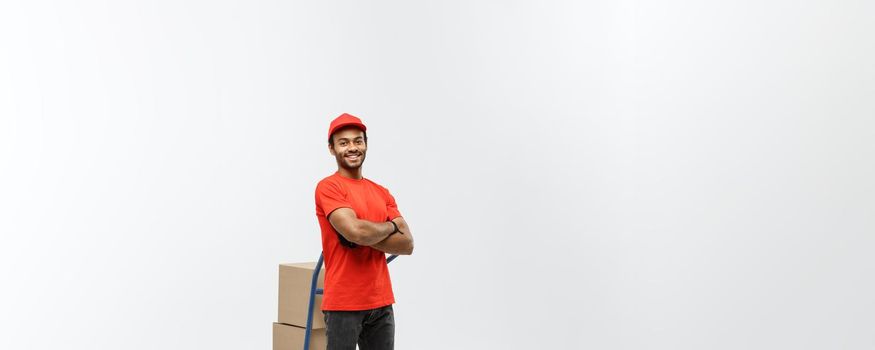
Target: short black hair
[{"x": 331, "y": 138}]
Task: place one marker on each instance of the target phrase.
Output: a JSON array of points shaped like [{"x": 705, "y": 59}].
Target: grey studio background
[{"x": 578, "y": 175}]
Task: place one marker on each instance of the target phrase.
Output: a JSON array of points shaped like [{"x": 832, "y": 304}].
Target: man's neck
[{"x": 351, "y": 174}]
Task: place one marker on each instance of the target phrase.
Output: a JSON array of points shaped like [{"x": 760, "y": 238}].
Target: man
[{"x": 360, "y": 222}]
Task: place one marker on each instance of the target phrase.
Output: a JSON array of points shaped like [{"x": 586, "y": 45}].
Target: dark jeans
[{"x": 372, "y": 329}]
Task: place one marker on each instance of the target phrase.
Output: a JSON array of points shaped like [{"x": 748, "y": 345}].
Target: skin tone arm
[
  {"x": 400, "y": 244},
  {"x": 369, "y": 233},
  {"x": 361, "y": 232}
]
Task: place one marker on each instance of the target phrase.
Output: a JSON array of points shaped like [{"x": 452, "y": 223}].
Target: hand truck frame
[{"x": 314, "y": 291}]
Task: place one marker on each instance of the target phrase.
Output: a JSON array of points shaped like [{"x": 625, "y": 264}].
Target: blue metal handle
[{"x": 312, "y": 301}]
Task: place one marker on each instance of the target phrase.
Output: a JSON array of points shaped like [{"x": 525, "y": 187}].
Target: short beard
[{"x": 343, "y": 164}]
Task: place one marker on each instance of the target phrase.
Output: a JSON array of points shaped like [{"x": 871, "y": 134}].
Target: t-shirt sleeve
[
  {"x": 329, "y": 197},
  {"x": 391, "y": 206}
]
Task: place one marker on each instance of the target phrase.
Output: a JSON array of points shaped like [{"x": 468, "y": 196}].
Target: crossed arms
[{"x": 377, "y": 235}]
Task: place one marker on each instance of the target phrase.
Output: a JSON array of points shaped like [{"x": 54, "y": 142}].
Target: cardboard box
[
  {"x": 294, "y": 295},
  {"x": 288, "y": 337}
]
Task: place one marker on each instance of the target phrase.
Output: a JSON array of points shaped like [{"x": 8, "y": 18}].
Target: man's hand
[{"x": 400, "y": 243}]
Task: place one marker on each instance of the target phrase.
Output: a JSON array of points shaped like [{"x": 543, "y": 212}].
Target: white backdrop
[{"x": 598, "y": 175}]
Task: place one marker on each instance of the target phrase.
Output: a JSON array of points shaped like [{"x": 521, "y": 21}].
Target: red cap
[{"x": 345, "y": 120}]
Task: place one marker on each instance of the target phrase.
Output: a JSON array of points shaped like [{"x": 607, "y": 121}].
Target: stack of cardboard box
[{"x": 294, "y": 299}]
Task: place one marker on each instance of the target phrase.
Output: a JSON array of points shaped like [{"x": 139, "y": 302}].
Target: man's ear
[{"x": 331, "y": 150}]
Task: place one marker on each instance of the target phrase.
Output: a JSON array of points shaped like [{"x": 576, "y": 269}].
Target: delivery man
[{"x": 360, "y": 223}]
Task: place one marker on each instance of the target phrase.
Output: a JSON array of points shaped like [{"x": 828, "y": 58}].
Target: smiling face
[{"x": 349, "y": 148}]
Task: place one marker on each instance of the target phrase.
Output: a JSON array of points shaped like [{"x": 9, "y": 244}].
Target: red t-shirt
[{"x": 355, "y": 278}]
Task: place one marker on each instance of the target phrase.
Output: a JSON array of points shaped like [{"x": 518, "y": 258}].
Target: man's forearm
[
  {"x": 370, "y": 233},
  {"x": 401, "y": 244}
]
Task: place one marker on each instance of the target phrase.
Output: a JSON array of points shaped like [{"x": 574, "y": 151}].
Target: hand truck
[{"x": 314, "y": 291}]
